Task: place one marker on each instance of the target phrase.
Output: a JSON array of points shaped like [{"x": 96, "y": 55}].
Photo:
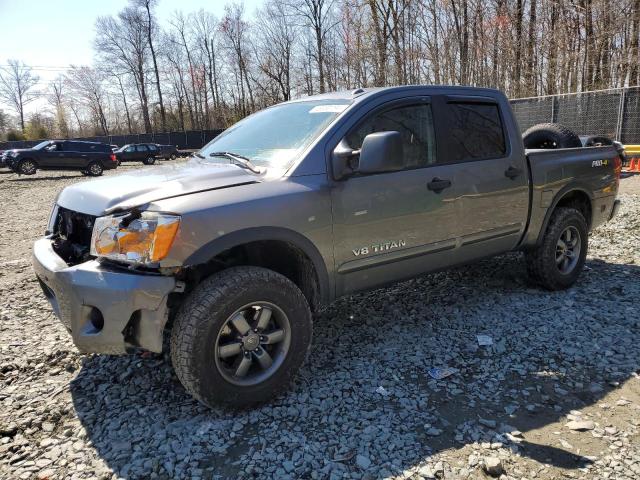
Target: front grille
[{"x": 72, "y": 235}]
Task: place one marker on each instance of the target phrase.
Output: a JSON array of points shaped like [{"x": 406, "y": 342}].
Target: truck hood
[{"x": 139, "y": 187}]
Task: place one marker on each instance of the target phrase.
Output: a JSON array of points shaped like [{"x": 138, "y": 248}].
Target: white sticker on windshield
[{"x": 328, "y": 108}]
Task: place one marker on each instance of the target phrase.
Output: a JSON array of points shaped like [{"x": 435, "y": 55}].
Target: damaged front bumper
[{"x": 105, "y": 309}]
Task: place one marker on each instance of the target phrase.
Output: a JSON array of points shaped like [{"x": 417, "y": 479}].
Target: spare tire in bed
[{"x": 550, "y": 135}]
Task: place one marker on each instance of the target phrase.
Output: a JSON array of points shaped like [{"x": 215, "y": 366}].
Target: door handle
[
  {"x": 437, "y": 185},
  {"x": 512, "y": 172}
]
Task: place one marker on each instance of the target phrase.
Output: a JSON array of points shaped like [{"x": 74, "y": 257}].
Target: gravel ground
[{"x": 556, "y": 395}]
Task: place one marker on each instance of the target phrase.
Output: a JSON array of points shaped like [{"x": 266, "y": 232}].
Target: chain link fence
[
  {"x": 189, "y": 140},
  {"x": 614, "y": 113}
]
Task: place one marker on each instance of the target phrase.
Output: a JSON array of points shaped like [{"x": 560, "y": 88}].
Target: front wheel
[
  {"x": 27, "y": 167},
  {"x": 149, "y": 160},
  {"x": 556, "y": 263},
  {"x": 173, "y": 156},
  {"x": 241, "y": 336}
]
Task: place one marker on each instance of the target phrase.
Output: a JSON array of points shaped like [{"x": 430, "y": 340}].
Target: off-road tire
[
  {"x": 149, "y": 160},
  {"x": 206, "y": 311},
  {"x": 550, "y": 136},
  {"x": 27, "y": 167},
  {"x": 541, "y": 261},
  {"x": 94, "y": 169}
]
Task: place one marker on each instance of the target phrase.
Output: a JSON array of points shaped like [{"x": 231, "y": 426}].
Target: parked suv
[
  {"x": 146, "y": 153},
  {"x": 91, "y": 158},
  {"x": 168, "y": 152},
  {"x": 305, "y": 202}
]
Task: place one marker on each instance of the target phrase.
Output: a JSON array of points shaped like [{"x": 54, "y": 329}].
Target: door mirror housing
[{"x": 381, "y": 152}]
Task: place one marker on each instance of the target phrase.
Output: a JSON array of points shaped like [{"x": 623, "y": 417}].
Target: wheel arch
[
  {"x": 269, "y": 247},
  {"x": 576, "y": 196}
]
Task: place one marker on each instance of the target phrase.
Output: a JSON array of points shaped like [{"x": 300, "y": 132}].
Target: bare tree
[
  {"x": 236, "y": 33},
  {"x": 276, "y": 37},
  {"x": 317, "y": 15},
  {"x": 150, "y": 27},
  {"x": 122, "y": 43},
  {"x": 17, "y": 84},
  {"x": 87, "y": 84},
  {"x": 58, "y": 101}
]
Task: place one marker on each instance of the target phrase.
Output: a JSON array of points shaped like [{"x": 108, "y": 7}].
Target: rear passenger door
[
  {"x": 78, "y": 154},
  {"x": 489, "y": 175},
  {"x": 73, "y": 154}
]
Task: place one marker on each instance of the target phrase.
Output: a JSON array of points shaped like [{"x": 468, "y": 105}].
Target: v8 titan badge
[{"x": 379, "y": 247}]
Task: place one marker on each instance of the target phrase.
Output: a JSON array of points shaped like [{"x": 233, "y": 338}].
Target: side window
[
  {"x": 129, "y": 149},
  {"x": 83, "y": 147},
  {"x": 152, "y": 148},
  {"x": 415, "y": 124},
  {"x": 141, "y": 148},
  {"x": 475, "y": 131}
]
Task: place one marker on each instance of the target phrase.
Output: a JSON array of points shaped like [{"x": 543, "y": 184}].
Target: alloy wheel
[
  {"x": 95, "y": 169},
  {"x": 252, "y": 344},
  {"x": 568, "y": 250},
  {"x": 27, "y": 167}
]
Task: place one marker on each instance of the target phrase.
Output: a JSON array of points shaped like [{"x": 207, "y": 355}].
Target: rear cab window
[{"x": 475, "y": 131}]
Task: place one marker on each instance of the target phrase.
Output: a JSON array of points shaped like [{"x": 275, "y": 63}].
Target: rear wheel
[
  {"x": 149, "y": 160},
  {"x": 241, "y": 336},
  {"x": 94, "y": 169},
  {"x": 173, "y": 156},
  {"x": 27, "y": 167},
  {"x": 556, "y": 263}
]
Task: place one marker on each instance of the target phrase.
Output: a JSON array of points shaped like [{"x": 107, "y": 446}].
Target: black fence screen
[{"x": 189, "y": 140}]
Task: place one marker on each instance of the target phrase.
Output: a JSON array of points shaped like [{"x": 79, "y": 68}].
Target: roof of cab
[{"x": 362, "y": 93}]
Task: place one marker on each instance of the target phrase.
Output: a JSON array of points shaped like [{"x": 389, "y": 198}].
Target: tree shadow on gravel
[{"x": 364, "y": 403}]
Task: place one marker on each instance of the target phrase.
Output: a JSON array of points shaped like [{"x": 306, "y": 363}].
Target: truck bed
[{"x": 591, "y": 170}]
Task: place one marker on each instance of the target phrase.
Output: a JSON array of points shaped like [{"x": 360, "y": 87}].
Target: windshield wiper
[
  {"x": 199, "y": 155},
  {"x": 240, "y": 160}
]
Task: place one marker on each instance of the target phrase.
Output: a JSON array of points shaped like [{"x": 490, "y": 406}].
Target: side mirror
[{"x": 381, "y": 152}]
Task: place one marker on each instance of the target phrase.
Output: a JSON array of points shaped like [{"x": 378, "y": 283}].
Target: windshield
[
  {"x": 41, "y": 145},
  {"x": 274, "y": 137}
]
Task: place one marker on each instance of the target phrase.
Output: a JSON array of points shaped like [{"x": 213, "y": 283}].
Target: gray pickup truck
[{"x": 230, "y": 253}]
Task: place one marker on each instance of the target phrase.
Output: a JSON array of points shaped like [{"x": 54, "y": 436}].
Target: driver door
[
  {"x": 393, "y": 225},
  {"x": 54, "y": 156}
]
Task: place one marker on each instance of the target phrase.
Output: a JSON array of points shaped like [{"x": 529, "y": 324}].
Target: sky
[{"x": 52, "y": 34}]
